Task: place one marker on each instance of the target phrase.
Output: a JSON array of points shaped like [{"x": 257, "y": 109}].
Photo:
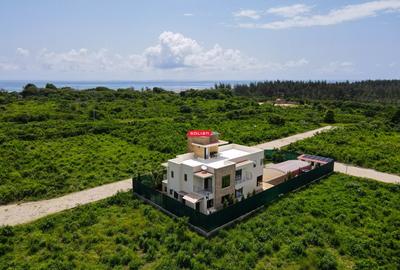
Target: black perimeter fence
[{"x": 209, "y": 224}]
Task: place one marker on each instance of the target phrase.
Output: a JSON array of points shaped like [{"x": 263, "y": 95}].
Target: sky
[{"x": 199, "y": 40}]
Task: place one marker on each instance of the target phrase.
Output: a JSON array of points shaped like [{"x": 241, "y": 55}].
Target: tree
[
  {"x": 275, "y": 119},
  {"x": 50, "y": 86},
  {"x": 185, "y": 109},
  {"x": 396, "y": 117},
  {"x": 29, "y": 90},
  {"x": 329, "y": 117}
]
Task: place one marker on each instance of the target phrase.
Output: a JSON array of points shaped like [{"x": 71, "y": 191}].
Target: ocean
[{"x": 17, "y": 85}]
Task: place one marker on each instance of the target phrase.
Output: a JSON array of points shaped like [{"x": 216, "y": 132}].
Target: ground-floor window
[
  {"x": 210, "y": 203},
  {"x": 171, "y": 191},
  {"x": 239, "y": 192},
  {"x": 175, "y": 195},
  {"x": 259, "y": 180},
  {"x": 225, "y": 198}
]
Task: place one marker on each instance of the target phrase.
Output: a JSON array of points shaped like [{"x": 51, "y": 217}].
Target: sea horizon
[{"x": 173, "y": 85}]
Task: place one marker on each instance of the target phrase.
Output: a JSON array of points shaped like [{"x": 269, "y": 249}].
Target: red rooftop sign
[{"x": 199, "y": 133}]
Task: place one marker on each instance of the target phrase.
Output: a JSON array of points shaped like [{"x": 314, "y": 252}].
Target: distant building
[
  {"x": 213, "y": 172},
  {"x": 285, "y": 103}
]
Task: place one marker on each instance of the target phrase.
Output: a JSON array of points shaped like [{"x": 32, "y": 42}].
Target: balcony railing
[
  {"x": 242, "y": 178},
  {"x": 203, "y": 191}
]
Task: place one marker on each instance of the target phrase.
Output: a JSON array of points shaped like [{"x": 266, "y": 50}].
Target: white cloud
[
  {"x": 5, "y": 66},
  {"x": 188, "y": 14},
  {"x": 287, "y": 65},
  {"x": 248, "y": 13},
  {"x": 335, "y": 16},
  {"x": 173, "y": 54},
  {"x": 290, "y": 11},
  {"x": 86, "y": 60},
  {"x": 177, "y": 51},
  {"x": 22, "y": 52},
  {"x": 339, "y": 67}
]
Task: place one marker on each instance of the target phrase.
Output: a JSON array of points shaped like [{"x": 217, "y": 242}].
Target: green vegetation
[
  {"x": 47, "y": 168},
  {"x": 55, "y": 141},
  {"x": 366, "y": 145},
  {"x": 366, "y": 91},
  {"x": 58, "y": 140},
  {"x": 340, "y": 223}
]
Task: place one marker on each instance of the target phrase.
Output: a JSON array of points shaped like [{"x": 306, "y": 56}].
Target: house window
[
  {"x": 185, "y": 177},
  {"x": 175, "y": 195},
  {"x": 261, "y": 162},
  {"x": 226, "y": 181},
  {"x": 208, "y": 183},
  {"x": 254, "y": 164},
  {"x": 210, "y": 203},
  {"x": 238, "y": 175},
  {"x": 172, "y": 174},
  {"x": 225, "y": 198},
  {"x": 239, "y": 192},
  {"x": 170, "y": 191},
  {"x": 259, "y": 180},
  {"x": 165, "y": 189}
]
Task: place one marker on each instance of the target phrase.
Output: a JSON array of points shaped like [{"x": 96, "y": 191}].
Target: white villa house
[{"x": 213, "y": 171}]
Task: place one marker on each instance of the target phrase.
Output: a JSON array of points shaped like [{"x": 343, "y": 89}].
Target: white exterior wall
[
  {"x": 177, "y": 183},
  {"x": 250, "y": 185},
  {"x": 173, "y": 183},
  {"x": 186, "y": 185}
]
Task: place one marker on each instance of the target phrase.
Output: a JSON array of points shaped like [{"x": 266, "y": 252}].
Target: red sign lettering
[{"x": 199, "y": 133}]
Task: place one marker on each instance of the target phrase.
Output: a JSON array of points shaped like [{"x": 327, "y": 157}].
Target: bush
[
  {"x": 329, "y": 117},
  {"x": 50, "y": 86},
  {"x": 327, "y": 262},
  {"x": 276, "y": 120}
]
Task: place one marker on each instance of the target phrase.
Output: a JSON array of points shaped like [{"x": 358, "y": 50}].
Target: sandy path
[
  {"x": 291, "y": 139},
  {"x": 14, "y": 214},
  {"x": 366, "y": 173}
]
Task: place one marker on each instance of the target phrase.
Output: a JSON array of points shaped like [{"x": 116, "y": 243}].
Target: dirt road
[
  {"x": 291, "y": 139},
  {"x": 14, "y": 214},
  {"x": 25, "y": 212},
  {"x": 366, "y": 173}
]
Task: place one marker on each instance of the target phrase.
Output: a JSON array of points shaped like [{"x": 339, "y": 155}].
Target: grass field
[
  {"x": 58, "y": 144},
  {"x": 40, "y": 168},
  {"x": 340, "y": 223},
  {"x": 62, "y": 141},
  {"x": 362, "y": 145}
]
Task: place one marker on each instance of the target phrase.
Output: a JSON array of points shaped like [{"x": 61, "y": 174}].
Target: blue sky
[{"x": 199, "y": 40}]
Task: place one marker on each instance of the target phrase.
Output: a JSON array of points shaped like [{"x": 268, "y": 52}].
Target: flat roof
[
  {"x": 233, "y": 153},
  {"x": 288, "y": 165},
  {"x": 203, "y": 174},
  {"x": 219, "y": 142},
  {"x": 225, "y": 154}
]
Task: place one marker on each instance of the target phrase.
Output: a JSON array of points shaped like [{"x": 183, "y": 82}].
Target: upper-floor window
[
  {"x": 172, "y": 174},
  {"x": 238, "y": 175},
  {"x": 226, "y": 181},
  {"x": 185, "y": 177}
]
